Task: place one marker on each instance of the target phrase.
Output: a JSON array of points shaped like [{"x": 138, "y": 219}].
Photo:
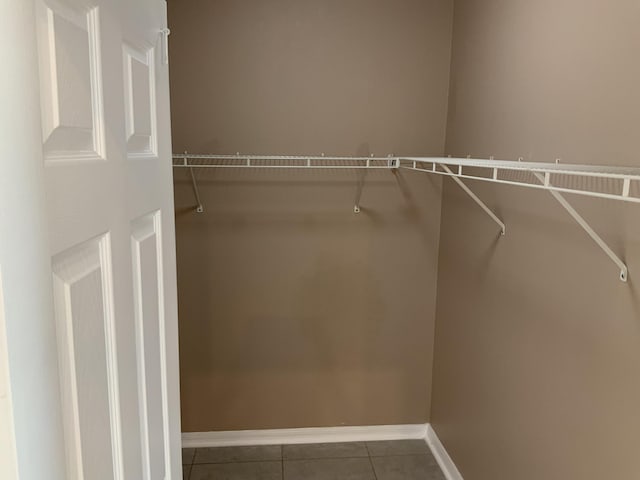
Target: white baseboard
[
  {"x": 444, "y": 460},
  {"x": 288, "y": 436}
]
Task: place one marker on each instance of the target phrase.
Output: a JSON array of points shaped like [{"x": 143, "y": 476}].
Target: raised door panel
[
  {"x": 150, "y": 341},
  {"x": 70, "y": 81},
  {"x": 140, "y": 104},
  {"x": 85, "y": 327}
]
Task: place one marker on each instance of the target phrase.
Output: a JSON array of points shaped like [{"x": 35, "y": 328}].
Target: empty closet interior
[{"x": 333, "y": 271}]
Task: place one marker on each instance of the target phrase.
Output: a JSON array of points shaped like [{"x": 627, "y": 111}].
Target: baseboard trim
[
  {"x": 444, "y": 460},
  {"x": 287, "y": 436}
]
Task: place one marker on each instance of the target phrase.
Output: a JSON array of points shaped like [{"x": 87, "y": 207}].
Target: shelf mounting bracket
[
  {"x": 503, "y": 228},
  {"x": 360, "y": 186},
  {"x": 196, "y": 192},
  {"x": 624, "y": 271}
]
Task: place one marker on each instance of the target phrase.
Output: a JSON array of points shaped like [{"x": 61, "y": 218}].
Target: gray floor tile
[
  {"x": 397, "y": 447},
  {"x": 238, "y": 471},
  {"x": 187, "y": 455},
  {"x": 186, "y": 470},
  {"x": 324, "y": 450},
  {"x": 407, "y": 467},
  {"x": 238, "y": 454},
  {"x": 329, "y": 469}
]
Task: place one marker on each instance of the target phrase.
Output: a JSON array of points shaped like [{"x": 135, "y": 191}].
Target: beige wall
[
  {"x": 294, "y": 311},
  {"x": 537, "y": 359}
]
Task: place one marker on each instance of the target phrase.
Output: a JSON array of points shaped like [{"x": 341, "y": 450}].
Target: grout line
[
  {"x": 400, "y": 455},
  {"x": 239, "y": 461},
  {"x": 323, "y": 458},
  {"x": 283, "y": 460},
  {"x": 373, "y": 469}
]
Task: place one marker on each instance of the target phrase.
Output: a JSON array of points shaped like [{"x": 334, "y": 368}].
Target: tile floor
[{"x": 390, "y": 460}]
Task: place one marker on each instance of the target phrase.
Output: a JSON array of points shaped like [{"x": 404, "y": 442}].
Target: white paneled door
[{"x": 90, "y": 86}]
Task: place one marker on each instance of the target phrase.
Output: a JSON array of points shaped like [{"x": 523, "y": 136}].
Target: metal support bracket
[
  {"x": 624, "y": 271},
  {"x": 356, "y": 204},
  {"x": 503, "y": 228},
  {"x": 196, "y": 192}
]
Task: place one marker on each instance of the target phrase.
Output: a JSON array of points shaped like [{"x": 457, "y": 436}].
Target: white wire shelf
[
  {"x": 282, "y": 161},
  {"x": 616, "y": 183},
  {"x": 624, "y": 180},
  {"x": 607, "y": 182}
]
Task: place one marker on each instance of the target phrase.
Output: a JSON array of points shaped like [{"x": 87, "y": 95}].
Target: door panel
[
  {"x": 71, "y": 93},
  {"x": 147, "y": 271},
  {"x": 88, "y": 359},
  {"x": 140, "y": 110}
]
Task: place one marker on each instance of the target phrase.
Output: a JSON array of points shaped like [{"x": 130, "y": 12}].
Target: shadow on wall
[
  {"x": 280, "y": 278},
  {"x": 290, "y": 275}
]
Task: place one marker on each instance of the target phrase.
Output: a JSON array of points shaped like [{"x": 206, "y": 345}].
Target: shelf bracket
[
  {"x": 624, "y": 271},
  {"x": 356, "y": 203},
  {"x": 196, "y": 192},
  {"x": 503, "y": 228}
]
